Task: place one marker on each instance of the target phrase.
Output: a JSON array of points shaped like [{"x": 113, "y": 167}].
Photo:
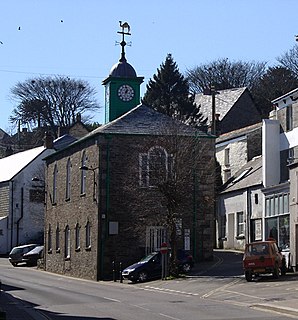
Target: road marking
[
  {"x": 170, "y": 291},
  {"x": 165, "y": 315},
  {"x": 135, "y": 305},
  {"x": 222, "y": 288},
  {"x": 110, "y": 299}
]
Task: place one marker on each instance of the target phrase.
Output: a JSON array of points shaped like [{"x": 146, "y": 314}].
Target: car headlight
[{"x": 129, "y": 270}]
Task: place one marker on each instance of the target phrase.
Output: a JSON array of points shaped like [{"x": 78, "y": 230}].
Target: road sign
[{"x": 163, "y": 248}]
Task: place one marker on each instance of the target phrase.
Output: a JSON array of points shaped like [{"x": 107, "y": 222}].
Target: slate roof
[
  {"x": 10, "y": 166},
  {"x": 224, "y": 101},
  {"x": 143, "y": 120},
  {"x": 62, "y": 142},
  {"x": 238, "y": 133},
  {"x": 249, "y": 175}
]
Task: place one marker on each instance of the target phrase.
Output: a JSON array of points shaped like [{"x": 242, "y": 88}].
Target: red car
[{"x": 263, "y": 257}]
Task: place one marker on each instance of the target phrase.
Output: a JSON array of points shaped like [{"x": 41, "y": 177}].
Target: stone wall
[{"x": 121, "y": 201}]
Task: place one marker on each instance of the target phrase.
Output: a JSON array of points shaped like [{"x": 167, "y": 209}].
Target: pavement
[{"x": 12, "y": 308}]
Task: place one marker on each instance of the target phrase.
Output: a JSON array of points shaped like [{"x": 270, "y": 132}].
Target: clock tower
[{"x": 122, "y": 86}]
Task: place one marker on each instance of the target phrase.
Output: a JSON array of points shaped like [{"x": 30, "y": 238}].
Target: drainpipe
[
  {"x": 22, "y": 214},
  {"x": 104, "y": 217},
  {"x": 248, "y": 215},
  {"x": 12, "y": 217}
]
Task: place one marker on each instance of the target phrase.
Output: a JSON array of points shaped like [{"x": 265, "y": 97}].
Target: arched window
[
  {"x": 50, "y": 239},
  {"x": 77, "y": 236},
  {"x": 156, "y": 166},
  {"x": 57, "y": 239},
  {"x": 88, "y": 235},
  {"x": 67, "y": 243},
  {"x": 83, "y": 173},
  {"x": 54, "y": 193},
  {"x": 67, "y": 190}
]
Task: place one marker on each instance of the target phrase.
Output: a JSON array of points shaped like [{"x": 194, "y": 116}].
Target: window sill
[
  {"x": 78, "y": 249},
  {"x": 58, "y": 250},
  {"x": 67, "y": 259},
  {"x": 88, "y": 248},
  {"x": 83, "y": 195}
]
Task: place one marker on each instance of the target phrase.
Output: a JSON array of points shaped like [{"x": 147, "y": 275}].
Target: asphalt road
[{"x": 220, "y": 292}]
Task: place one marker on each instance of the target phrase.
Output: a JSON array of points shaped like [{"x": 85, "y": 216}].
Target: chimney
[
  {"x": 48, "y": 141},
  {"x": 79, "y": 117}
]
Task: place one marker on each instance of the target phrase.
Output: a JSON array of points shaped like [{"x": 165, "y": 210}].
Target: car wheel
[
  {"x": 14, "y": 264},
  {"x": 276, "y": 272},
  {"x": 248, "y": 276},
  {"x": 143, "y": 276},
  {"x": 186, "y": 267}
]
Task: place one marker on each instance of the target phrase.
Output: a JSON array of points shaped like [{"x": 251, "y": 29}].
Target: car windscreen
[
  {"x": 148, "y": 257},
  {"x": 16, "y": 250},
  {"x": 258, "y": 249}
]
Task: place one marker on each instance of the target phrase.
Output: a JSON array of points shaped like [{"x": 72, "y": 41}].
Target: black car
[
  {"x": 31, "y": 257},
  {"x": 17, "y": 253},
  {"x": 150, "y": 267}
]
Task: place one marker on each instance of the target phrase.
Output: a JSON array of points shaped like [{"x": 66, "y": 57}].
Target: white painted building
[{"x": 22, "y": 200}]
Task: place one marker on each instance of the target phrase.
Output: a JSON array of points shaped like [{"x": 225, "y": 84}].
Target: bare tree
[
  {"x": 52, "y": 101},
  {"x": 289, "y": 60},
  {"x": 178, "y": 168},
  {"x": 225, "y": 74}
]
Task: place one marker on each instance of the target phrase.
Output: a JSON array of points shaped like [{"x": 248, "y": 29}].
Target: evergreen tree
[{"x": 168, "y": 93}]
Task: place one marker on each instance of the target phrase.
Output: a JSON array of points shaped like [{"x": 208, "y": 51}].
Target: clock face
[{"x": 126, "y": 92}]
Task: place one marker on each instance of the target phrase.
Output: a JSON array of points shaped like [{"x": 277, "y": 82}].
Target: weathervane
[{"x": 125, "y": 31}]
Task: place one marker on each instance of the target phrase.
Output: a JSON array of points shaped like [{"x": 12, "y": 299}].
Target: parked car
[
  {"x": 263, "y": 257},
  {"x": 150, "y": 267},
  {"x": 16, "y": 254},
  {"x": 31, "y": 257}
]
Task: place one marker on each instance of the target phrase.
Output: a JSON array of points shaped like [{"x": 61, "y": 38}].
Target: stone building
[
  {"x": 234, "y": 149},
  {"x": 233, "y": 109},
  {"x": 109, "y": 193}
]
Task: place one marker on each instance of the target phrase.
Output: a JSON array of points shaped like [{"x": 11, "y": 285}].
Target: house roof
[
  {"x": 224, "y": 101},
  {"x": 248, "y": 176},
  {"x": 10, "y": 166},
  {"x": 238, "y": 133},
  {"x": 143, "y": 120}
]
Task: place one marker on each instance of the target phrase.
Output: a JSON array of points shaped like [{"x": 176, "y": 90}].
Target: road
[{"x": 219, "y": 293}]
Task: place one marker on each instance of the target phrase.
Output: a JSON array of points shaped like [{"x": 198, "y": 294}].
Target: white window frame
[{"x": 240, "y": 224}]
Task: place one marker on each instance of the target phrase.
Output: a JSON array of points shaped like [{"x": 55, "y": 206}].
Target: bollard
[
  {"x": 120, "y": 268},
  {"x": 114, "y": 271}
]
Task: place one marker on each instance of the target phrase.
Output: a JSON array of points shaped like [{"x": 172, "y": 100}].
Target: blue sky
[{"x": 83, "y": 45}]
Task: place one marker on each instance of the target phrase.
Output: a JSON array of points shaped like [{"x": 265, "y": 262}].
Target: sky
[{"x": 76, "y": 38}]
